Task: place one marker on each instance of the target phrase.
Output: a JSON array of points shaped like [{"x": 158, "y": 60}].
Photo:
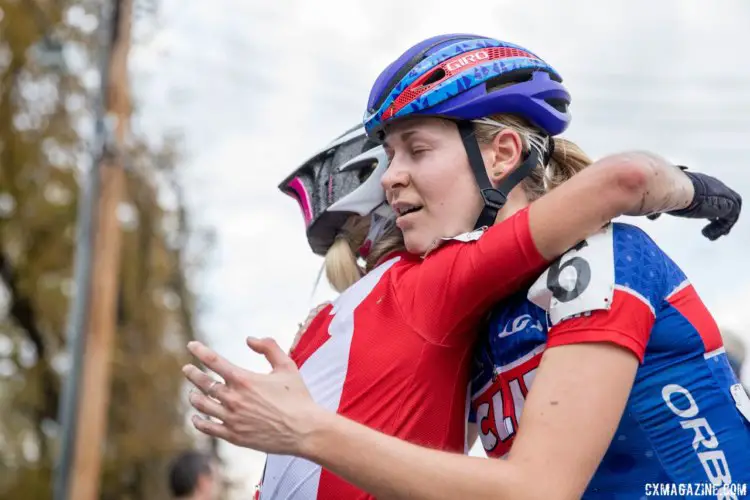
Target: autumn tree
[{"x": 46, "y": 113}]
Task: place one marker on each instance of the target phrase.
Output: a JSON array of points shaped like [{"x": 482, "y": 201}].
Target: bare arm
[
  {"x": 564, "y": 431},
  {"x": 564, "y": 434},
  {"x": 635, "y": 183}
]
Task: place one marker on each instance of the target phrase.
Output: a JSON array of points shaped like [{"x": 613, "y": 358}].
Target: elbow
[{"x": 627, "y": 183}]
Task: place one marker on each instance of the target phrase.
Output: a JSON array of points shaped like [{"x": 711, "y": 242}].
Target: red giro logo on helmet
[{"x": 474, "y": 58}]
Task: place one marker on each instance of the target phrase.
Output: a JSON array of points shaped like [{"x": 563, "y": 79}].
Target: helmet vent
[
  {"x": 559, "y": 104},
  {"x": 508, "y": 79},
  {"x": 436, "y": 76},
  {"x": 364, "y": 173}
]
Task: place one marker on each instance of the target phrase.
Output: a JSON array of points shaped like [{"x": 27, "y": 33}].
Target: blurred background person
[
  {"x": 193, "y": 475},
  {"x": 736, "y": 351}
]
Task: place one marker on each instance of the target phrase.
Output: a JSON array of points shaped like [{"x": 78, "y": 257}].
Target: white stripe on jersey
[
  {"x": 713, "y": 353},
  {"x": 324, "y": 373}
]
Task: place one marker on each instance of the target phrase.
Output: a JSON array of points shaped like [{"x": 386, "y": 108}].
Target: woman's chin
[{"x": 416, "y": 244}]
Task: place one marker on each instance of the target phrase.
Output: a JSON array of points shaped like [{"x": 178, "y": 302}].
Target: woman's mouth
[{"x": 404, "y": 212}]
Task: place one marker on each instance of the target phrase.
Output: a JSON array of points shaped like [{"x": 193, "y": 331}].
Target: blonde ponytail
[
  {"x": 341, "y": 265},
  {"x": 342, "y": 269},
  {"x": 567, "y": 160}
]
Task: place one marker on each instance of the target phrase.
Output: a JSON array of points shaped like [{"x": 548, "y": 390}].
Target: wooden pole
[{"x": 101, "y": 320}]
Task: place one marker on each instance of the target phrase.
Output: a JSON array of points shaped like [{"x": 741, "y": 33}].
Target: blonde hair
[
  {"x": 342, "y": 265},
  {"x": 567, "y": 158}
]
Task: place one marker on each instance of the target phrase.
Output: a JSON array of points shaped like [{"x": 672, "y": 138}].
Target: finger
[
  {"x": 710, "y": 233},
  {"x": 212, "y": 360},
  {"x": 717, "y": 229},
  {"x": 203, "y": 381},
  {"x": 720, "y": 227},
  {"x": 271, "y": 350},
  {"x": 207, "y": 406},
  {"x": 210, "y": 428}
]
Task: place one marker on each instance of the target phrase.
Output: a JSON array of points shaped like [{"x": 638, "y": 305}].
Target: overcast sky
[{"x": 255, "y": 86}]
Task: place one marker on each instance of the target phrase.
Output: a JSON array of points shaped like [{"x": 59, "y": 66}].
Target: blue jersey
[{"x": 683, "y": 423}]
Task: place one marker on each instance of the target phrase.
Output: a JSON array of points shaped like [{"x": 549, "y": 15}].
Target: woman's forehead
[{"x": 413, "y": 127}]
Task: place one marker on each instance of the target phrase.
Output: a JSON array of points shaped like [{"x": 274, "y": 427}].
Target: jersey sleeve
[
  {"x": 606, "y": 289},
  {"x": 304, "y": 326},
  {"x": 314, "y": 335},
  {"x": 462, "y": 280}
]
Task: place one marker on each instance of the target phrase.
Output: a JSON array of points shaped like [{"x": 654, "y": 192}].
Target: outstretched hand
[{"x": 266, "y": 412}]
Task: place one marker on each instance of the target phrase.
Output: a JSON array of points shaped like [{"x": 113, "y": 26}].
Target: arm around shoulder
[{"x": 635, "y": 183}]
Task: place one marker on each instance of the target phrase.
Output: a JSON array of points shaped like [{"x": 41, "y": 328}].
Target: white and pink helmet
[{"x": 338, "y": 181}]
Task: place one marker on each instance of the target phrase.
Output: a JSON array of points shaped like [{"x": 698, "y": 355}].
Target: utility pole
[{"x": 93, "y": 315}]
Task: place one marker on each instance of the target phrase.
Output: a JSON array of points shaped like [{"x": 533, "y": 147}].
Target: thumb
[{"x": 271, "y": 350}]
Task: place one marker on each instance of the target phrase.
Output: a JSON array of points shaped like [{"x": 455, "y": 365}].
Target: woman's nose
[{"x": 396, "y": 176}]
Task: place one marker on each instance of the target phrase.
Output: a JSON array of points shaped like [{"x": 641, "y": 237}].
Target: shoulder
[
  {"x": 642, "y": 268},
  {"x": 513, "y": 229},
  {"x": 443, "y": 246},
  {"x": 633, "y": 248},
  {"x": 620, "y": 257}
]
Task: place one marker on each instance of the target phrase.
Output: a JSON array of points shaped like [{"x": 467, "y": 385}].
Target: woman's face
[{"x": 429, "y": 183}]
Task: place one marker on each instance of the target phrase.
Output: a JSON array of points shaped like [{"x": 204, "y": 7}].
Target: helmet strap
[{"x": 494, "y": 197}]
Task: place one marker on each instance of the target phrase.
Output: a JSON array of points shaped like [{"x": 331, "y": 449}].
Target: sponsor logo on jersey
[
  {"x": 519, "y": 324},
  {"x": 705, "y": 443}
]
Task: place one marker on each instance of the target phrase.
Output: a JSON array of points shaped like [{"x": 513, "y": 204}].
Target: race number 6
[{"x": 570, "y": 288}]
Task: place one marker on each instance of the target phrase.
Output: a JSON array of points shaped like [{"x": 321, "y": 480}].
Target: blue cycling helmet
[{"x": 464, "y": 77}]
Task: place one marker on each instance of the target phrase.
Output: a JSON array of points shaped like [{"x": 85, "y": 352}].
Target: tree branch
[{"x": 22, "y": 311}]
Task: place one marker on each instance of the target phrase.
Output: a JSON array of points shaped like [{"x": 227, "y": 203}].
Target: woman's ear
[{"x": 506, "y": 153}]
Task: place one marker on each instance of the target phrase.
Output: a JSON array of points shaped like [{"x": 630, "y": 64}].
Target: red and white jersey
[{"x": 393, "y": 351}]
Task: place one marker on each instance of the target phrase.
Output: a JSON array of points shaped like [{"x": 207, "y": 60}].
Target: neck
[{"x": 517, "y": 200}]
